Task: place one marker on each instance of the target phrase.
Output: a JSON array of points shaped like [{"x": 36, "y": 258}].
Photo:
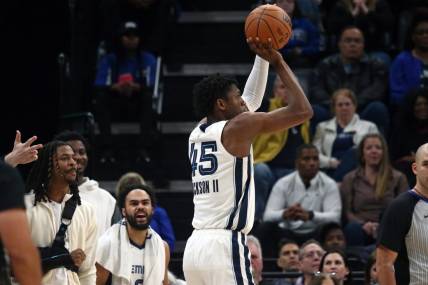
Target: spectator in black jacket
[{"x": 351, "y": 68}]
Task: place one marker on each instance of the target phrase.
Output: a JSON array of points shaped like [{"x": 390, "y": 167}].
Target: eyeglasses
[{"x": 312, "y": 254}]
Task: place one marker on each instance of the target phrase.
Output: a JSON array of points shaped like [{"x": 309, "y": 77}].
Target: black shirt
[
  {"x": 404, "y": 229},
  {"x": 11, "y": 188}
]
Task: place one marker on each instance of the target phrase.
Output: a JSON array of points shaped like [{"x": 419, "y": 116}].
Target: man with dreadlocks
[{"x": 61, "y": 225}]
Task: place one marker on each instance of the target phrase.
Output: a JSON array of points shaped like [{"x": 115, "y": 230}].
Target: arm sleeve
[
  {"x": 87, "y": 271},
  {"x": 256, "y": 84},
  {"x": 396, "y": 222},
  {"x": 332, "y": 206},
  {"x": 276, "y": 202}
]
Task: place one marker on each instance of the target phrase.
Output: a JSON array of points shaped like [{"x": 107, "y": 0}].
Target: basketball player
[
  {"x": 130, "y": 251},
  {"x": 221, "y": 161},
  {"x": 402, "y": 250}
]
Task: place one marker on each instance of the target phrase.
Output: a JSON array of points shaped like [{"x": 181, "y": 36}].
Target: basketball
[{"x": 269, "y": 21}]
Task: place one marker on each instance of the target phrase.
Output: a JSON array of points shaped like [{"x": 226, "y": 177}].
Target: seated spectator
[
  {"x": 310, "y": 255},
  {"x": 160, "y": 222},
  {"x": 304, "y": 199},
  {"x": 335, "y": 262},
  {"x": 288, "y": 260},
  {"x": 370, "y": 273},
  {"x": 352, "y": 69},
  {"x": 156, "y": 17},
  {"x": 275, "y": 153},
  {"x": 373, "y": 17},
  {"x": 124, "y": 86},
  {"x": 336, "y": 138},
  {"x": 369, "y": 189},
  {"x": 256, "y": 259},
  {"x": 304, "y": 44},
  {"x": 332, "y": 237},
  {"x": 411, "y": 131},
  {"x": 409, "y": 70}
]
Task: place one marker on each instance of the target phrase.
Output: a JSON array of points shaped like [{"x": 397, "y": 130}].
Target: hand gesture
[
  {"x": 23, "y": 153},
  {"x": 265, "y": 50},
  {"x": 78, "y": 256}
]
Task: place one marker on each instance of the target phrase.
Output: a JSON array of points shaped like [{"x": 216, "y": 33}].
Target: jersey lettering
[{"x": 207, "y": 157}]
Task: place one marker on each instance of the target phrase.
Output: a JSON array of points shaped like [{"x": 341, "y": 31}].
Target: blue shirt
[
  {"x": 343, "y": 142},
  {"x": 161, "y": 224},
  {"x": 305, "y": 36},
  {"x": 142, "y": 71},
  {"x": 405, "y": 74}
]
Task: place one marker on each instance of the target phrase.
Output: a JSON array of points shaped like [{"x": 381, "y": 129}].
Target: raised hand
[
  {"x": 23, "y": 153},
  {"x": 265, "y": 50}
]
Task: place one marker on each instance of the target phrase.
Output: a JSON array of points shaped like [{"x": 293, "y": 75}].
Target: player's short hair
[
  {"x": 326, "y": 229},
  {"x": 302, "y": 147},
  {"x": 256, "y": 242},
  {"x": 68, "y": 135},
  {"x": 208, "y": 90},
  {"x": 305, "y": 244},
  {"x": 284, "y": 242},
  {"x": 123, "y": 194}
]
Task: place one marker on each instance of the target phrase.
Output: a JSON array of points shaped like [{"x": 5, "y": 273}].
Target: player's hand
[
  {"x": 23, "y": 153},
  {"x": 78, "y": 256},
  {"x": 265, "y": 50}
]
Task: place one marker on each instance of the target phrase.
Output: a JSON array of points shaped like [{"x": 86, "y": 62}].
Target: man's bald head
[{"x": 421, "y": 152}]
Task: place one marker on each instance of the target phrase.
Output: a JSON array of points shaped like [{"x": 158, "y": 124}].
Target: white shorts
[{"x": 217, "y": 257}]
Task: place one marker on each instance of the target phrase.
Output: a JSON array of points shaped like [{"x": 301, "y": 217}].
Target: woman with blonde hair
[
  {"x": 160, "y": 222},
  {"x": 337, "y": 138},
  {"x": 369, "y": 189}
]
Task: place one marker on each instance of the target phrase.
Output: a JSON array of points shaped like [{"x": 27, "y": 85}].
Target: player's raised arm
[{"x": 241, "y": 130}]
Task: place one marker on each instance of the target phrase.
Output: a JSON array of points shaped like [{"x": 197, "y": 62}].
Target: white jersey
[
  {"x": 136, "y": 261},
  {"x": 223, "y": 185}
]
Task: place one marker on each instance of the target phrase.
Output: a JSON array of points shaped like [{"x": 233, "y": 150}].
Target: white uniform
[
  {"x": 128, "y": 263},
  {"x": 223, "y": 188}
]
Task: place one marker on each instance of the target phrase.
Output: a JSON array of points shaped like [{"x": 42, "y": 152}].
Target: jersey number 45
[{"x": 207, "y": 163}]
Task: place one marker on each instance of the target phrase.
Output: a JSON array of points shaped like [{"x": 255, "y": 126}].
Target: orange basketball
[{"x": 269, "y": 21}]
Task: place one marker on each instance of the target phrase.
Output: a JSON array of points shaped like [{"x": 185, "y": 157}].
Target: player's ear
[
  {"x": 221, "y": 104},
  {"x": 414, "y": 168}
]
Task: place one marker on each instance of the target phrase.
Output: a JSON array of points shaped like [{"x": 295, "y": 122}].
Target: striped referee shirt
[{"x": 404, "y": 229}]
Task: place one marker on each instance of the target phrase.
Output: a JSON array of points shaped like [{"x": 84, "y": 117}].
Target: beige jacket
[
  {"x": 81, "y": 233},
  {"x": 326, "y": 134}
]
